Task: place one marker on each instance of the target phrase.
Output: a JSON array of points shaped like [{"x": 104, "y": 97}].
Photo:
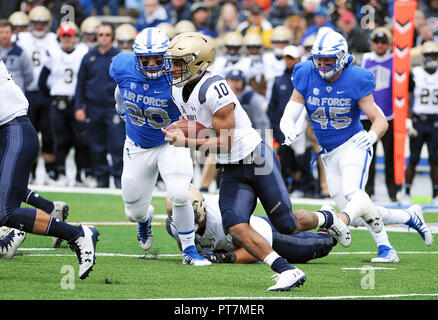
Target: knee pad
[
  {"x": 131, "y": 193},
  {"x": 179, "y": 194},
  {"x": 360, "y": 205}
]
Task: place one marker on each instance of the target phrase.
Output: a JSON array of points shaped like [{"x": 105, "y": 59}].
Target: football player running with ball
[
  {"x": 249, "y": 169},
  {"x": 143, "y": 100},
  {"x": 339, "y": 91}
]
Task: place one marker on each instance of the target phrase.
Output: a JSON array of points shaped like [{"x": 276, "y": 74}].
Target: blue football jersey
[
  {"x": 148, "y": 103},
  {"x": 333, "y": 108}
]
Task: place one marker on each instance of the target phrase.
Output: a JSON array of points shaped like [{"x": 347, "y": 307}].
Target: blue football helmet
[
  {"x": 151, "y": 42},
  {"x": 330, "y": 44}
]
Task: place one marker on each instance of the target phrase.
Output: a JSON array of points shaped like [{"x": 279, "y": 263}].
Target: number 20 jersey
[
  {"x": 333, "y": 108},
  {"x": 148, "y": 104}
]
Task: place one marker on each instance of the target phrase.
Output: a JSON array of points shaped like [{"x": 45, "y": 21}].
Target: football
[{"x": 191, "y": 128}]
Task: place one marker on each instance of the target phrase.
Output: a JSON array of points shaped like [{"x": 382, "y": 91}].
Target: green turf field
[{"x": 122, "y": 270}]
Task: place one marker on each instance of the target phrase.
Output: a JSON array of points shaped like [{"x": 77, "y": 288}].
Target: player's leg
[
  {"x": 237, "y": 201},
  {"x": 415, "y": 147},
  {"x": 62, "y": 134},
  {"x": 57, "y": 209},
  {"x": 432, "y": 149},
  {"x": 18, "y": 149},
  {"x": 176, "y": 168},
  {"x": 115, "y": 133},
  {"x": 139, "y": 175}
]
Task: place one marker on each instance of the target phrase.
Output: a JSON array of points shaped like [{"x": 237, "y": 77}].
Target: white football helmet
[
  {"x": 151, "y": 42},
  {"x": 330, "y": 44}
]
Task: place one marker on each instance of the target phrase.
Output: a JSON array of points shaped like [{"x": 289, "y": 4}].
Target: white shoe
[
  {"x": 10, "y": 243},
  {"x": 85, "y": 247},
  {"x": 386, "y": 255},
  {"x": 339, "y": 230},
  {"x": 417, "y": 222},
  {"x": 287, "y": 280},
  {"x": 90, "y": 182},
  {"x": 59, "y": 212},
  {"x": 192, "y": 256}
]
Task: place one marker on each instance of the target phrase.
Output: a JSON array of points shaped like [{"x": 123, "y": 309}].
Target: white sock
[
  {"x": 380, "y": 238},
  {"x": 270, "y": 258},
  {"x": 321, "y": 218},
  {"x": 184, "y": 221},
  {"x": 394, "y": 216}
]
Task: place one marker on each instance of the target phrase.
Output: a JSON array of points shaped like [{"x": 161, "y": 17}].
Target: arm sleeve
[
  {"x": 293, "y": 118},
  {"x": 27, "y": 70},
  {"x": 119, "y": 101},
  {"x": 80, "y": 86},
  {"x": 42, "y": 81}
]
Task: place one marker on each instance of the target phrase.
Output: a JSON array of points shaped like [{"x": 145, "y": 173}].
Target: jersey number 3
[{"x": 336, "y": 117}]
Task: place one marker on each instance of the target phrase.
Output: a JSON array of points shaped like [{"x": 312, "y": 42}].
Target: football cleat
[
  {"x": 386, "y": 254},
  {"x": 84, "y": 245},
  {"x": 60, "y": 212},
  {"x": 191, "y": 256},
  {"x": 10, "y": 243},
  {"x": 339, "y": 230},
  {"x": 417, "y": 222},
  {"x": 287, "y": 280},
  {"x": 145, "y": 235}
]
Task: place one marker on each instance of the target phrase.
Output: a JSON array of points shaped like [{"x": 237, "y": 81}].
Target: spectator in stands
[
  {"x": 297, "y": 25},
  {"x": 228, "y": 18},
  {"x": 281, "y": 10},
  {"x": 113, "y": 6},
  {"x": 136, "y": 5},
  {"x": 420, "y": 20},
  {"x": 16, "y": 60},
  {"x": 87, "y": 7},
  {"x": 382, "y": 15},
  {"x": 321, "y": 19},
  {"x": 431, "y": 14},
  {"x": 200, "y": 14},
  {"x": 95, "y": 103},
  {"x": 357, "y": 39},
  {"x": 245, "y": 7},
  {"x": 178, "y": 10},
  {"x": 380, "y": 63},
  {"x": 308, "y": 12},
  {"x": 256, "y": 22},
  {"x": 154, "y": 14},
  {"x": 215, "y": 7}
]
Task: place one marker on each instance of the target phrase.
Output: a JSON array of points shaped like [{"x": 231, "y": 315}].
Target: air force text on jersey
[
  {"x": 146, "y": 100},
  {"x": 325, "y": 101}
]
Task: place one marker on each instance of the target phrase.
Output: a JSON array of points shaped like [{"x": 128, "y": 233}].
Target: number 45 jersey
[
  {"x": 147, "y": 103},
  {"x": 333, "y": 108}
]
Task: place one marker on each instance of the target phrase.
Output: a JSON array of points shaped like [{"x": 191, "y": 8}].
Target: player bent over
[
  {"x": 143, "y": 99},
  {"x": 19, "y": 147},
  {"x": 218, "y": 247},
  {"x": 249, "y": 169}
]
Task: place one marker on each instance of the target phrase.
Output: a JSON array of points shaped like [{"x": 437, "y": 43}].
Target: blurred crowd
[{"x": 258, "y": 42}]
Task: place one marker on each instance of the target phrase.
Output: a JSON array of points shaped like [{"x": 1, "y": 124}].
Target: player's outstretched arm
[{"x": 293, "y": 121}]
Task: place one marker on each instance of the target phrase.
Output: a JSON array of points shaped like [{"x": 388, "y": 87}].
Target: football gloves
[
  {"x": 218, "y": 256},
  {"x": 365, "y": 139},
  {"x": 412, "y": 132}
]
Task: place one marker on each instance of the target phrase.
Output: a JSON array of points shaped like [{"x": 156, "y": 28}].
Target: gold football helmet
[
  {"x": 19, "y": 19},
  {"x": 90, "y": 25},
  {"x": 125, "y": 35},
  {"x": 429, "y": 51},
  {"x": 184, "y": 26},
  {"x": 197, "y": 201},
  {"x": 168, "y": 29},
  {"x": 252, "y": 40},
  {"x": 40, "y": 14},
  {"x": 189, "y": 55},
  {"x": 37, "y": 16},
  {"x": 281, "y": 34}
]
